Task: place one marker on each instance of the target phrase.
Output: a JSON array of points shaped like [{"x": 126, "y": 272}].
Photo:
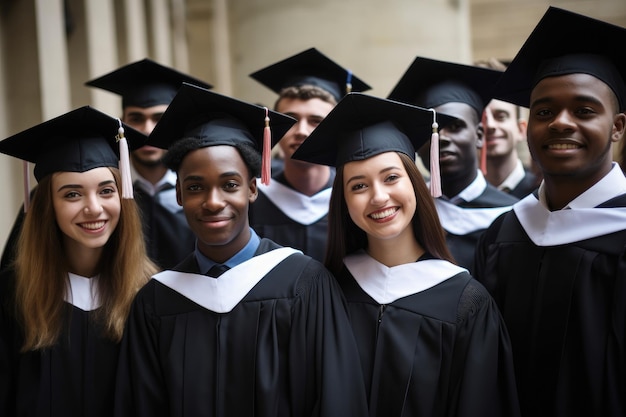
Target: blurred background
[{"x": 50, "y": 48}]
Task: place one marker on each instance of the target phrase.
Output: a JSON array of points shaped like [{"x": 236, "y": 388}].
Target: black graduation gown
[
  {"x": 167, "y": 234},
  {"x": 565, "y": 309},
  {"x": 527, "y": 185},
  {"x": 463, "y": 244},
  {"x": 440, "y": 352},
  {"x": 285, "y": 349},
  {"x": 74, "y": 378},
  {"x": 270, "y": 221}
]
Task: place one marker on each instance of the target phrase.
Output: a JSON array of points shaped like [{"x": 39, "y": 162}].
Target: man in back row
[
  {"x": 293, "y": 209},
  {"x": 505, "y": 130},
  {"x": 146, "y": 89},
  {"x": 469, "y": 204}
]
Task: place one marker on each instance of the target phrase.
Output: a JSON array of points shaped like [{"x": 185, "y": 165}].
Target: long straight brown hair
[
  {"x": 345, "y": 237},
  {"x": 41, "y": 269}
]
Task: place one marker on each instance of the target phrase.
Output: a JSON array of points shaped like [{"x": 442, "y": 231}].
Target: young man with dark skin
[
  {"x": 293, "y": 209},
  {"x": 468, "y": 204},
  {"x": 555, "y": 262},
  {"x": 266, "y": 333}
]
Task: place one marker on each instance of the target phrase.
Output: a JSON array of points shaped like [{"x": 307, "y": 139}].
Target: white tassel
[
  {"x": 435, "y": 174},
  {"x": 124, "y": 165}
]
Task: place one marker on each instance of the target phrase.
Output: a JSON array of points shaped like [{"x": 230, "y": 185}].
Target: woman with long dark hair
[{"x": 431, "y": 340}]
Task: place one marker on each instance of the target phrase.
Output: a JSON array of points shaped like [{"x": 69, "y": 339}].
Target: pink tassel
[
  {"x": 26, "y": 173},
  {"x": 266, "y": 166},
  {"x": 483, "y": 150},
  {"x": 435, "y": 174},
  {"x": 124, "y": 165}
]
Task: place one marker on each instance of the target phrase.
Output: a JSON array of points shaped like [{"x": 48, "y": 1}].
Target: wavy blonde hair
[{"x": 41, "y": 270}]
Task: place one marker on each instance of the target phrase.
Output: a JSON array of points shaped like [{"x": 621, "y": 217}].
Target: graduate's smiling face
[
  {"x": 380, "y": 196},
  {"x": 215, "y": 190},
  {"x": 572, "y": 126},
  {"x": 503, "y": 129},
  {"x": 87, "y": 207}
]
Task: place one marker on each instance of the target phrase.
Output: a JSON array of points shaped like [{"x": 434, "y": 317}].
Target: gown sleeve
[
  {"x": 140, "y": 389},
  {"x": 325, "y": 334},
  {"x": 482, "y": 250},
  {"x": 485, "y": 377}
]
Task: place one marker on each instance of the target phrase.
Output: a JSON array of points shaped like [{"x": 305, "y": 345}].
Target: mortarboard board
[
  {"x": 431, "y": 83},
  {"x": 219, "y": 120},
  {"x": 310, "y": 67},
  {"x": 361, "y": 126},
  {"x": 564, "y": 43},
  {"x": 77, "y": 141},
  {"x": 144, "y": 83}
]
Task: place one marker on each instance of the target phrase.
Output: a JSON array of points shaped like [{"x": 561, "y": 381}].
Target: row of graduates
[
  {"x": 271, "y": 334},
  {"x": 293, "y": 209},
  {"x": 429, "y": 337}
]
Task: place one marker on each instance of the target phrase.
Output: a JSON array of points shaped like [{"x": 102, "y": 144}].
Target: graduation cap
[
  {"x": 310, "y": 67},
  {"x": 431, "y": 83},
  {"x": 144, "y": 83},
  {"x": 77, "y": 141},
  {"x": 361, "y": 126},
  {"x": 556, "y": 47},
  {"x": 220, "y": 120}
]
